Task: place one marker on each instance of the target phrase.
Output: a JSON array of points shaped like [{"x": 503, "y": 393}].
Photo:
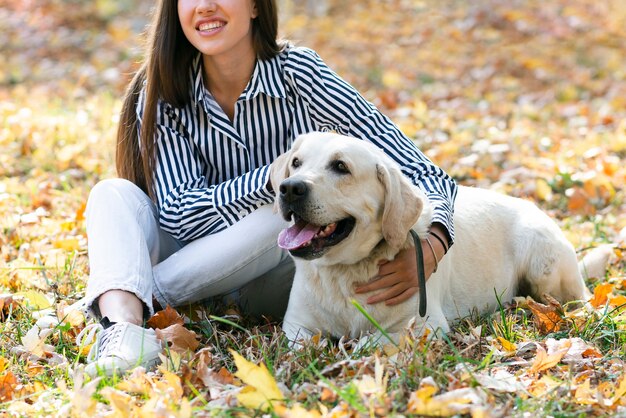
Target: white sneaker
[{"x": 119, "y": 347}]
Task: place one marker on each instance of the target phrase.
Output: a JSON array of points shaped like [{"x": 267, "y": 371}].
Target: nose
[
  {"x": 207, "y": 6},
  {"x": 292, "y": 190}
]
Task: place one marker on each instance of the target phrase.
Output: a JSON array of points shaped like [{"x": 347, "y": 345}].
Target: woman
[{"x": 217, "y": 100}]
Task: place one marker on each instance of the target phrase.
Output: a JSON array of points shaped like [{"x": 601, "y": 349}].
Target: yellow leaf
[
  {"x": 543, "y": 190},
  {"x": 173, "y": 384},
  {"x": 459, "y": 401},
  {"x": 621, "y": 390},
  {"x": 584, "y": 395},
  {"x": 67, "y": 244},
  {"x": 120, "y": 402},
  {"x": 392, "y": 79},
  {"x": 262, "y": 388},
  {"x": 540, "y": 387},
  {"x": 83, "y": 403},
  {"x": 296, "y": 411},
  {"x": 35, "y": 299},
  {"x": 137, "y": 382},
  {"x": 507, "y": 345}
]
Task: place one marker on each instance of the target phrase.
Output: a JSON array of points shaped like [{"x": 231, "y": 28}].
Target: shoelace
[{"x": 101, "y": 339}]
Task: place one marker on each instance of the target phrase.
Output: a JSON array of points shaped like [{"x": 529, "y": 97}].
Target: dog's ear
[
  {"x": 279, "y": 171},
  {"x": 403, "y": 205}
]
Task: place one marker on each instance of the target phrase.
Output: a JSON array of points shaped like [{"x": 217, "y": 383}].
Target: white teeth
[
  {"x": 210, "y": 25},
  {"x": 328, "y": 229}
]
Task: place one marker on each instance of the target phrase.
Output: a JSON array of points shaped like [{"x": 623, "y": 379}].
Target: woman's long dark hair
[{"x": 165, "y": 73}]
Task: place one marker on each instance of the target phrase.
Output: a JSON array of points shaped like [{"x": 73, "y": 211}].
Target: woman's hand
[{"x": 397, "y": 279}]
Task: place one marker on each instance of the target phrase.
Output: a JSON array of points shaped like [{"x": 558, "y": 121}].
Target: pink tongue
[{"x": 296, "y": 235}]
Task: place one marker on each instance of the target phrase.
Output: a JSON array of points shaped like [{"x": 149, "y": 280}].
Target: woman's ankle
[{"x": 121, "y": 306}]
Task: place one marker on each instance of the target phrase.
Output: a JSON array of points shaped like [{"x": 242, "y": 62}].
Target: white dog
[{"x": 352, "y": 207}]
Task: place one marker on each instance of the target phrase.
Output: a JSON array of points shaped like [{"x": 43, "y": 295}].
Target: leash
[{"x": 421, "y": 275}]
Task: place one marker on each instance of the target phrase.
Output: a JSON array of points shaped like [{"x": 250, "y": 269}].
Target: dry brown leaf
[
  {"x": 179, "y": 338},
  {"x": 547, "y": 318},
  {"x": 7, "y": 305},
  {"x": 207, "y": 375},
  {"x": 165, "y": 318},
  {"x": 8, "y": 382},
  {"x": 543, "y": 361}
]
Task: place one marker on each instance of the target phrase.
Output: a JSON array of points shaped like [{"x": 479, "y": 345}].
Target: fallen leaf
[
  {"x": 507, "y": 345},
  {"x": 621, "y": 390},
  {"x": 34, "y": 341},
  {"x": 80, "y": 212},
  {"x": 35, "y": 299},
  {"x": 165, "y": 318},
  {"x": 261, "y": 387},
  {"x": 7, "y": 306},
  {"x": 540, "y": 387},
  {"x": 499, "y": 380},
  {"x": 170, "y": 384},
  {"x": 8, "y": 382},
  {"x": 584, "y": 395},
  {"x": 296, "y": 411},
  {"x": 82, "y": 402},
  {"x": 601, "y": 295},
  {"x": 178, "y": 338},
  {"x": 120, "y": 402},
  {"x": 455, "y": 402},
  {"x": 618, "y": 301},
  {"x": 547, "y": 318},
  {"x": 578, "y": 350},
  {"x": 543, "y": 361},
  {"x": 67, "y": 244}
]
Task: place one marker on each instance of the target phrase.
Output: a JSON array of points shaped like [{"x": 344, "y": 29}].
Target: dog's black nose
[{"x": 293, "y": 190}]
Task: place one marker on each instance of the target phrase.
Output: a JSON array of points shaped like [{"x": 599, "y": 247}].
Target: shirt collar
[{"x": 266, "y": 78}]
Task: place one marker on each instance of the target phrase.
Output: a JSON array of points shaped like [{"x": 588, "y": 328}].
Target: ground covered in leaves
[{"x": 525, "y": 97}]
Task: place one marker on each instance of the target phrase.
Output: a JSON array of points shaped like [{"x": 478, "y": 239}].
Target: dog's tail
[{"x": 594, "y": 263}]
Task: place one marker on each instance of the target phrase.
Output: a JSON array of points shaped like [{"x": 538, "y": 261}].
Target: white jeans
[{"x": 128, "y": 251}]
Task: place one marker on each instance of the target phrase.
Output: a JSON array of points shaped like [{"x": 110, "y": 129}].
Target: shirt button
[{"x": 242, "y": 213}]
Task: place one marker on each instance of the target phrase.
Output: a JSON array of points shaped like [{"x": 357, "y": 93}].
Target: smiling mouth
[
  {"x": 206, "y": 27},
  {"x": 307, "y": 240}
]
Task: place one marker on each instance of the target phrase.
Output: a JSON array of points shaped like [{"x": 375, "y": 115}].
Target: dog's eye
[
  {"x": 340, "y": 167},
  {"x": 295, "y": 163}
]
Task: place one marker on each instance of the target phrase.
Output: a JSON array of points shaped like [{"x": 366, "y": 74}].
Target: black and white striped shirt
[{"x": 211, "y": 172}]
